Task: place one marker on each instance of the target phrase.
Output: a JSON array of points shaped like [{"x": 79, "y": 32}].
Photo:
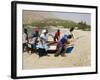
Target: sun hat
[{"x": 43, "y": 31}]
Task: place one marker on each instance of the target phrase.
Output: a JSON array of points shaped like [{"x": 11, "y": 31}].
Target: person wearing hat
[{"x": 42, "y": 46}]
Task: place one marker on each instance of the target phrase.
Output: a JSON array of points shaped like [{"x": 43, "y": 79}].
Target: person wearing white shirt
[
  {"x": 42, "y": 46},
  {"x": 25, "y": 40}
]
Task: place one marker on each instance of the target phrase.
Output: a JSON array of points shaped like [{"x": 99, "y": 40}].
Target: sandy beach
[{"x": 79, "y": 57}]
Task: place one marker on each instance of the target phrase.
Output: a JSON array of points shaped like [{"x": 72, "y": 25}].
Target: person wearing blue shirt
[
  {"x": 61, "y": 46},
  {"x": 35, "y": 36},
  {"x": 65, "y": 42}
]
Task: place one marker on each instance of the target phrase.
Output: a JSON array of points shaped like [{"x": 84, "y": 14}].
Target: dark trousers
[
  {"x": 25, "y": 47},
  {"x": 61, "y": 51},
  {"x": 42, "y": 52}
]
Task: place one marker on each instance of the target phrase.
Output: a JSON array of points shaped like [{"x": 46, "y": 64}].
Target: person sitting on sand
[
  {"x": 57, "y": 35},
  {"x": 65, "y": 42}
]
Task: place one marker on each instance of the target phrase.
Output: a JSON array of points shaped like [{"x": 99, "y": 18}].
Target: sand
[{"x": 79, "y": 57}]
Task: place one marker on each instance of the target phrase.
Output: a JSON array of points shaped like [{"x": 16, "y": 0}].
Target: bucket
[
  {"x": 33, "y": 46},
  {"x": 69, "y": 49}
]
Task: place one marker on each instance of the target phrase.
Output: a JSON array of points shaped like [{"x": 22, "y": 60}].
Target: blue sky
[{"x": 77, "y": 17}]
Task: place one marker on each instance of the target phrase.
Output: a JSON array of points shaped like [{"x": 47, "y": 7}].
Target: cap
[{"x": 43, "y": 31}]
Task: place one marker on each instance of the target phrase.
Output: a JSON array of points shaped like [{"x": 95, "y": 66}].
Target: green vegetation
[
  {"x": 83, "y": 26},
  {"x": 57, "y": 22}
]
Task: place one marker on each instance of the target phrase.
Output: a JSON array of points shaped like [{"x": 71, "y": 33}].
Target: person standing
[
  {"x": 61, "y": 47},
  {"x": 42, "y": 46},
  {"x": 34, "y": 41},
  {"x": 57, "y": 35},
  {"x": 25, "y": 40}
]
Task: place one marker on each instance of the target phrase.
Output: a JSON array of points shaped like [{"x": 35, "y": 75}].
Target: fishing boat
[{"x": 52, "y": 48}]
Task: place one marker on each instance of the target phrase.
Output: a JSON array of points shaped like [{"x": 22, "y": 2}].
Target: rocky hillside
[{"x": 34, "y": 16}]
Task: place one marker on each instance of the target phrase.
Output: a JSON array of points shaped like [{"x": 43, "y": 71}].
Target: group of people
[{"x": 39, "y": 42}]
